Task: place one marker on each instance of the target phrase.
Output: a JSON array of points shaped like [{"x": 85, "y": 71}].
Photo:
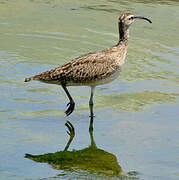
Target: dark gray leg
[
  {"x": 71, "y": 104},
  {"x": 91, "y": 102}
]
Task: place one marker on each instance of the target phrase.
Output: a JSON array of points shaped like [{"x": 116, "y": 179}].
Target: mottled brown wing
[
  {"x": 84, "y": 69},
  {"x": 61, "y": 73}
]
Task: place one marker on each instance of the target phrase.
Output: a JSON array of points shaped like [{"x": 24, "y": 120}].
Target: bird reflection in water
[{"x": 91, "y": 159}]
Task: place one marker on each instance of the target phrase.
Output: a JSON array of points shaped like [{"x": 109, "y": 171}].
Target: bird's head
[{"x": 127, "y": 19}]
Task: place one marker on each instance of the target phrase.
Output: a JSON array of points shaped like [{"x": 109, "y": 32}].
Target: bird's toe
[{"x": 70, "y": 108}]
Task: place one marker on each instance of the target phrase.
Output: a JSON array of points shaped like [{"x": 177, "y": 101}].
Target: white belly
[{"x": 99, "y": 81}]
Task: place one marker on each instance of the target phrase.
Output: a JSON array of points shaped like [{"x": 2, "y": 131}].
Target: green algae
[
  {"x": 137, "y": 101},
  {"x": 91, "y": 159}
]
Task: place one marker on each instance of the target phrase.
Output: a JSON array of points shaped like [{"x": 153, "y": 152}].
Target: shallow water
[{"x": 136, "y": 115}]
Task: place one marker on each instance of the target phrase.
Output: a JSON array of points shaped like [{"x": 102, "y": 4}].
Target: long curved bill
[{"x": 141, "y": 17}]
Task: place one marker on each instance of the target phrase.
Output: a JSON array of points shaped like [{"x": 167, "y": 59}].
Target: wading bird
[{"x": 94, "y": 68}]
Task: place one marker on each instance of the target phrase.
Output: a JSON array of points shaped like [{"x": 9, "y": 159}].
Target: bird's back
[{"x": 89, "y": 69}]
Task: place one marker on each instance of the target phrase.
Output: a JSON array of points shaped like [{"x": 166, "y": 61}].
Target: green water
[{"x": 137, "y": 115}]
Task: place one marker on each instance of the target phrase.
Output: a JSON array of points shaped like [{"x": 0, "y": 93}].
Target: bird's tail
[
  {"x": 32, "y": 78},
  {"x": 27, "y": 79},
  {"x": 45, "y": 76}
]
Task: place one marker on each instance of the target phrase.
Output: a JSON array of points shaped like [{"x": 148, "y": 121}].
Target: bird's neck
[{"x": 123, "y": 34}]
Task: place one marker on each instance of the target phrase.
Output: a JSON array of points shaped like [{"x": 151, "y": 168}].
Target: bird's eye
[{"x": 131, "y": 18}]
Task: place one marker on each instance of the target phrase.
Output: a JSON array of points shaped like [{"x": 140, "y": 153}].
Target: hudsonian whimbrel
[{"x": 94, "y": 68}]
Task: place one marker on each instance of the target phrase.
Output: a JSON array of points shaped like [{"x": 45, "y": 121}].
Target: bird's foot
[
  {"x": 71, "y": 108},
  {"x": 71, "y": 129}
]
